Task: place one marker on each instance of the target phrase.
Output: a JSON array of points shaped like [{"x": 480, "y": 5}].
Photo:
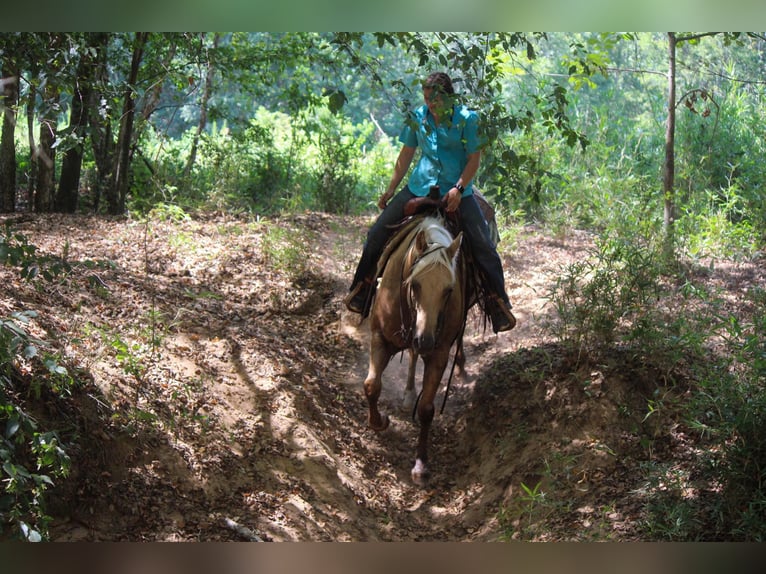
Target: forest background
[
  {"x": 652, "y": 141},
  {"x": 577, "y": 123}
]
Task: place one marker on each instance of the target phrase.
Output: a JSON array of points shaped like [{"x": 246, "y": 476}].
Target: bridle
[{"x": 406, "y": 294}]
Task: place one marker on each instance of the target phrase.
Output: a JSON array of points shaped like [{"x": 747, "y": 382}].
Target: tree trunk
[
  {"x": 46, "y": 158},
  {"x": 203, "y": 109},
  {"x": 101, "y": 140},
  {"x": 71, "y": 165},
  {"x": 30, "y": 107},
  {"x": 9, "y": 96},
  {"x": 668, "y": 169},
  {"x": 118, "y": 190}
]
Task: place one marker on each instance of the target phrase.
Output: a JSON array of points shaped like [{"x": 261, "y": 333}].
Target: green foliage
[
  {"x": 529, "y": 507},
  {"x": 16, "y": 251},
  {"x": 168, "y": 212},
  {"x": 30, "y": 457},
  {"x": 730, "y": 409},
  {"x": 607, "y": 297},
  {"x": 621, "y": 297},
  {"x": 285, "y": 251},
  {"x": 277, "y": 163},
  {"x": 713, "y": 232},
  {"x": 351, "y": 165}
]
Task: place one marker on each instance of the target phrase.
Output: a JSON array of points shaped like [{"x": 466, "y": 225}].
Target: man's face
[{"x": 434, "y": 98}]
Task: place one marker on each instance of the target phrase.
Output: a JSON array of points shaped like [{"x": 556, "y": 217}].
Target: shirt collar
[{"x": 430, "y": 117}]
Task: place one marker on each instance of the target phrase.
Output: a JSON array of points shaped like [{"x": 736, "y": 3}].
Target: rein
[{"x": 458, "y": 338}]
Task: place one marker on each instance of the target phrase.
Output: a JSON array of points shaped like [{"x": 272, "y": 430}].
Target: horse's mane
[{"x": 438, "y": 238}]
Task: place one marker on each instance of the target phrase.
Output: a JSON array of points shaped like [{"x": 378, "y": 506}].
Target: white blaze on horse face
[
  {"x": 431, "y": 281},
  {"x": 430, "y": 294}
]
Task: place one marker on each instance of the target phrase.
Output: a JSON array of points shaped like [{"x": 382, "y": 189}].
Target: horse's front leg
[
  {"x": 434, "y": 366},
  {"x": 379, "y": 357},
  {"x": 409, "y": 390}
]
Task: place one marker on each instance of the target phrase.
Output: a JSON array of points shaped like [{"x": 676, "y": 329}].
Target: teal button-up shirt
[{"x": 444, "y": 149}]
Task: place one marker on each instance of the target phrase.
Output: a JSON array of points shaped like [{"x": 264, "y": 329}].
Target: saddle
[
  {"x": 415, "y": 210},
  {"x": 429, "y": 204}
]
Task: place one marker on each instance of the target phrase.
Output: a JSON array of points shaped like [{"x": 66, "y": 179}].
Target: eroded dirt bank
[{"x": 248, "y": 408}]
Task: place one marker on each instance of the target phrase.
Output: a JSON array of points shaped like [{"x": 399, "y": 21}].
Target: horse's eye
[{"x": 416, "y": 288}]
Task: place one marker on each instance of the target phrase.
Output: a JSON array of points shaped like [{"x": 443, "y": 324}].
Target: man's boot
[
  {"x": 500, "y": 314},
  {"x": 356, "y": 300}
]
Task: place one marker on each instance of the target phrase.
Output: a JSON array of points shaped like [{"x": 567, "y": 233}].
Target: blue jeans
[{"x": 474, "y": 227}]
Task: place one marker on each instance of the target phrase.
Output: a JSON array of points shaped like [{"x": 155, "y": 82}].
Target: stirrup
[{"x": 356, "y": 300}]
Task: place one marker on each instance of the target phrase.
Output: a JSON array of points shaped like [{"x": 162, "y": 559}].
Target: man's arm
[{"x": 400, "y": 170}]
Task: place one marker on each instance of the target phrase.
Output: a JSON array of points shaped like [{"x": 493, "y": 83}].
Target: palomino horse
[{"x": 420, "y": 305}]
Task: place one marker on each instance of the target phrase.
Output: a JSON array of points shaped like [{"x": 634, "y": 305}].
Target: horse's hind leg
[
  {"x": 409, "y": 390},
  {"x": 379, "y": 357},
  {"x": 460, "y": 359}
]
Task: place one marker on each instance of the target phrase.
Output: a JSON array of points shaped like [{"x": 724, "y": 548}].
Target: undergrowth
[
  {"x": 626, "y": 300},
  {"x": 31, "y": 455},
  {"x": 32, "y": 372}
]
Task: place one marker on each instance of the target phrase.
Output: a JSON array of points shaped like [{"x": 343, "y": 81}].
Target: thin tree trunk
[
  {"x": 668, "y": 170},
  {"x": 101, "y": 140},
  {"x": 46, "y": 159},
  {"x": 203, "y": 108},
  {"x": 30, "y": 108},
  {"x": 9, "y": 96},
  {"x": 118, "y": 191},
  {"x": 71, "y": 165}
]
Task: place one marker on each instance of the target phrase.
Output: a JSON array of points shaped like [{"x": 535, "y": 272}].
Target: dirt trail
[{"x": 252, "y": 410}]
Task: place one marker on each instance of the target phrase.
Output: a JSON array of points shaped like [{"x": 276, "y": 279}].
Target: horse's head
[{"x": 430, "y": 283}]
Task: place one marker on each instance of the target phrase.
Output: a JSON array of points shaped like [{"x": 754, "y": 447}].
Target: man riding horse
[{"x": 447, "y": 134}]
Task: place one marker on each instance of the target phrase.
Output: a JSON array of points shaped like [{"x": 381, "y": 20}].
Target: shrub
[
  {"x": 607, "y": 297},
  {"x": 30, "y": 458}
]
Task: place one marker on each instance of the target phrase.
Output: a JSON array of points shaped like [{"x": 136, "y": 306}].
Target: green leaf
[
  {"x": 15, "y": 471},
  {"x": 336, "y": 100},
  {"x": 30, "y": 533},
  {"x": 54, "y": 368},
  {"x": 43, "y": 479},
  {"x": 12, "y": 427}
]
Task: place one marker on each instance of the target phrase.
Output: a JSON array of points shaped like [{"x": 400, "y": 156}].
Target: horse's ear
[
  {"x": 421, "y": 243},
  {"x": 454, "y": 246}
]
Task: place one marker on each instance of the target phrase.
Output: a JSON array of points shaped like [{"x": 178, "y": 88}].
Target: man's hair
[{"x": 441, "y": 81}]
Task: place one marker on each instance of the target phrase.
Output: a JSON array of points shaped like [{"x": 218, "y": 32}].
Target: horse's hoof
[
  {"x": 384, "y": 422},
  {"x": 420, "y": 473}
]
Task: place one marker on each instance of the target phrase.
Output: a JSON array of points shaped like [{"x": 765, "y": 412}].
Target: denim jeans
[{"x": 474, "y": 227}]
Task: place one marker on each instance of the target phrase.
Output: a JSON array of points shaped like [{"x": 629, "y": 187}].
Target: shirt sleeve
[{"x": 407, "y": 136}]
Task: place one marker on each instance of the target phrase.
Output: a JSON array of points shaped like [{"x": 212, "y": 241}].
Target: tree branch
[
  {"x": 695, "y": 36},
  {"x": 636, "y": 71}
]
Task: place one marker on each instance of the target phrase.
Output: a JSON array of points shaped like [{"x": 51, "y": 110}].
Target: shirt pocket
[{"x": 450, "y": 139}]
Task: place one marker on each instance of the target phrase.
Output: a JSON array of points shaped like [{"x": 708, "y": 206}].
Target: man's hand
[
  {"x": 383, "y": 201},
  {"x": 453, "y": 198}
]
